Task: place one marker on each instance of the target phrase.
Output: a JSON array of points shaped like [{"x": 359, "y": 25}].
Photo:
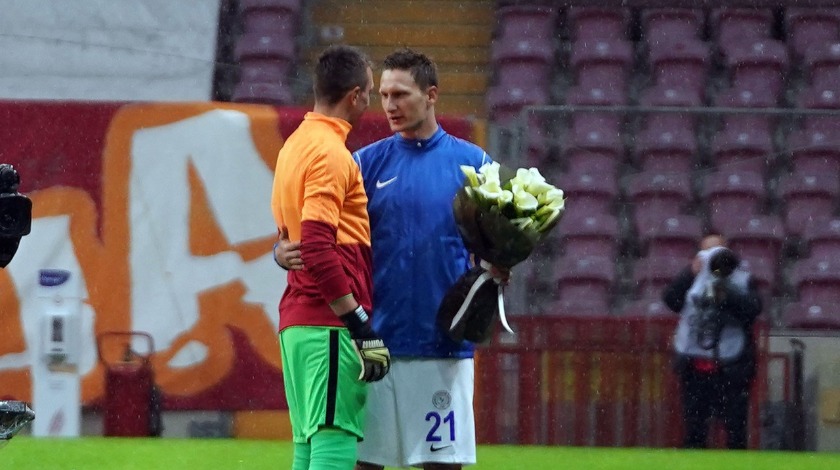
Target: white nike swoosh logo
[{"x": 382, "y": 184}]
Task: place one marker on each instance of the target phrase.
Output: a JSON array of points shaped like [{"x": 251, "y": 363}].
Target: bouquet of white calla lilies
[
  {"x": 501, "y": 215},
  {"x": 526, "y": 199}
]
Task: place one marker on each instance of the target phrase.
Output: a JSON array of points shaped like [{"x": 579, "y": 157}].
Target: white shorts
[{"x": 421, "y": 412}]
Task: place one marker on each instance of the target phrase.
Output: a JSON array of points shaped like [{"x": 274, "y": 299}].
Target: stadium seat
[
  {"x": 822, "y": 238},
  {"x": 663, "y": 27},
  {"x": 522, "y": 62},
  {"x": 593, "y": 145},
  {"x": 817, "y": 280},
  {"x": 759, "y": 238},
  {"x": 592, "y": 193},
  {"x": 811, "y": 316},
  {"x": 652, "y": 275},
  {"x": 668, "y": 96},
  {"x": 526, "y": 22},
  {"x": 676, "y": 236},
  {"x": 646, "y": 307},
  {"x": 670, "y": 149},
  {"x": 732, "y": 199},
  {"x": 765, "y": 273},
  {"x": 590, "y": 235},
  {"x": 808, "y": 197},
  {"x": 584, "y": 95},
  {"x": 655, "y": 197},
  {"x": 593, "y": 23},
  {"x": 601, "y": 64},
  {"x": 585, "y": 282},
  {"x": 264, "y": 57},
  {"x": 275, "y": 93},
  {"x": 538, "y": 146},
  {"x": 759, "y": 67},
  {"x": 814, "y": 151},
  {"x": 682, "y": 65},
  {"x": 737, "y": 149},
  {"x": 505, "y": 103},
  {"x": 810, "y": 27},
  {"x": 822, "y": 65},
  {"x": 270, "y": 16},
  {"x": 821, "y": 98},
  {"x": 732, "y": 26}
]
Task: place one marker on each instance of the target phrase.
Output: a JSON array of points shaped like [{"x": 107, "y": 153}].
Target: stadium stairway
[{"x": 456, "y": 35}]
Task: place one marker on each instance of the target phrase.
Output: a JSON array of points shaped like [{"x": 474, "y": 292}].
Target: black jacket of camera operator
[
  {"x": 15, "y": 214},
  {"x": 718, "y": 303}
]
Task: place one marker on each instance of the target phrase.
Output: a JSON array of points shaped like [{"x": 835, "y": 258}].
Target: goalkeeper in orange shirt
[{"x": 328, "y": 348}]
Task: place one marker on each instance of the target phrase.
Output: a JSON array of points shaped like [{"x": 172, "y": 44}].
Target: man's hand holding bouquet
[{"x": 502, "y": 215}]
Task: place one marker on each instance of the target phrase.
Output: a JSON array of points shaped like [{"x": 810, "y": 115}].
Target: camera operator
[
  {"x": 715, "y": 353},
  {"x": 15, "y": 222}
]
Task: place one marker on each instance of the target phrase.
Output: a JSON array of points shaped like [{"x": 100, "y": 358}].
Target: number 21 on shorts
[{"x": 439, "y": 425}]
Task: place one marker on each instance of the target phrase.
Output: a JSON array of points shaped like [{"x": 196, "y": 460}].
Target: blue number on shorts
[{"x": 435, "y": 416}]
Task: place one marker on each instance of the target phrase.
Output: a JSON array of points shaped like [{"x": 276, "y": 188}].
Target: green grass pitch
[{"x": 29, "y": 453}]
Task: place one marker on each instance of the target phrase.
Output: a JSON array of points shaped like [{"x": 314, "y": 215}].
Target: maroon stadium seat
[
  {"x": 505, "y": 102},
  {"x": 593, "y": 145},
  {"x": 592, "y": 193},
  {"x": 683, "y": 65},
  {"x": 522, "y": 62},
  {"x": 526, "y": 21},
  {"x": 759, "y": 67},
  {"x": 807, "y": 197},
  {"x": 593, "y": 23},
  {"x": 276, "y": 93},
  {"x": 653, "y": 274},
  {"x": 669, "y": 96},
  {"x": 732, "y": 26},
  {"x": 742, "y": 149},
  {"x": 815, "y": 151},
  {"x": 822, "y": 237},
  {"x": 270, "y": 16},
  {"x": 810, "y": 27},
  {"x": 811, "y": 316},
  {"x": 676, "y": 236},
  {"x": 655, "y": 197},
  {"x": 586, "y": 282},
  {"x": 602, "y": 64},
  {"x": 662, "y": 27},
  {"x": 666, "y": 146},
  {"x": 590, "y": 235},
  {"x": 764, "y": 272},
  {"x": 732, "y": 198},
  {"x": 759, "y": 238},
  {"x": 646, "y": 307},
  {"x": 821, "y": 98},
  {"x": 264, "y": 57},
  {"x": 817, "y": 280},
  {"x": 822, "y": 65}
]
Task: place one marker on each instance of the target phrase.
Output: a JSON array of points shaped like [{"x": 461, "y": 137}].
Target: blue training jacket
[{"x": 417, "y": 250}]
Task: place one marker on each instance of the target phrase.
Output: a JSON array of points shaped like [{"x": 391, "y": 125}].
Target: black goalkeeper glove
[{"x": 373, "y": 354}]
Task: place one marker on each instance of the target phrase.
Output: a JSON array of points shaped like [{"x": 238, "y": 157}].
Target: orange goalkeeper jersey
[{"x": 318, "y": 195}]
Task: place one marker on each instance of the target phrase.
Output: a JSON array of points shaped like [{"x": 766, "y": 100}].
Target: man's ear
[
  {"x": 432, "y": 94},
  {"x": 352, "y": 96}
]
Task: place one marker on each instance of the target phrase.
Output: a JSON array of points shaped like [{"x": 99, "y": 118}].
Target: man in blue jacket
[{"x": 421, "y": 414}]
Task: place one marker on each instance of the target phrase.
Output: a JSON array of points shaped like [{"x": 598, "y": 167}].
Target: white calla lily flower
[
  {"x": 470, "y": 173},
  {"x": 490, "y": 172},
  {"x": 491, "y": 191},
  {"x": 524, "y": 201}
]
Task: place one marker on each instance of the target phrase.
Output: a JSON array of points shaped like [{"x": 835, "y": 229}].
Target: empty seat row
[{"x": 266, "y": 51}]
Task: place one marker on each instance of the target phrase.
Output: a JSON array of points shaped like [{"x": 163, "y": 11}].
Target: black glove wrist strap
[{"x": 358, "y": 322}]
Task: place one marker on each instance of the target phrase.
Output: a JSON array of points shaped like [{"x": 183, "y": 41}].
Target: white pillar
[{"x": 56, "y": 382}]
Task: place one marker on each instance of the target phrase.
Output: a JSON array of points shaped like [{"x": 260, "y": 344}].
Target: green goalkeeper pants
[{"x": 321, "y": 376}]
